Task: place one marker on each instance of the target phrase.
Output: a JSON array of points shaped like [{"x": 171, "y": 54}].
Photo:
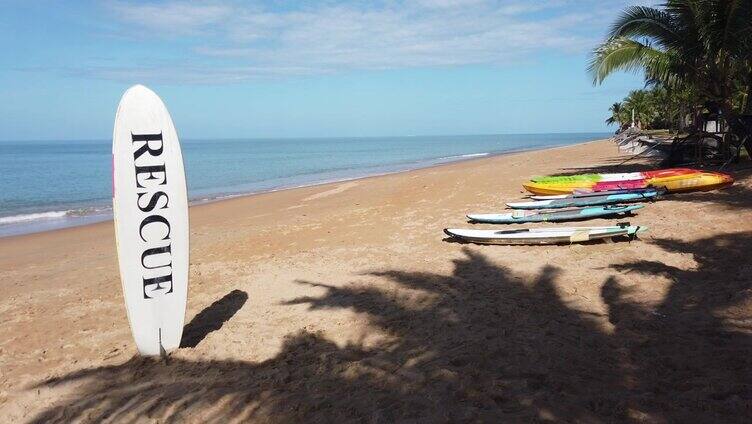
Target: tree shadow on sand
[
  {"x": 482, "y": 344},
  {"x": 615, "y": 165},
  {"x": 693, "y": 351}
]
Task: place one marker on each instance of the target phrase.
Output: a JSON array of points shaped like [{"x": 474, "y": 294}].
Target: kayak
[
  {"x": 589, "y": 177},
  {"x": 573, "y": 201},
  {"x": 621, "y": 185},
  {"x": 670, "y": 172},
  {"x": 568, "y": 187},
  {"x": 697, "y": 181},
  {"x": 553, "y": 235},
  {"x": 625, "y": 176},
  {"x": 702, "y": 181},
  {"x": 520, "y": 216}
]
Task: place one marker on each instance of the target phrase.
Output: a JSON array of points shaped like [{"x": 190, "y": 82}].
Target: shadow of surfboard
[{"x": 212, "y": 318}]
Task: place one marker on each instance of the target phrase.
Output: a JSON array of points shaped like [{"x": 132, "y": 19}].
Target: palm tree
[
  {"x": 703, "y": 44},
  {"x": 617, "y": 114},
  {"x": 641, "y": 102}
]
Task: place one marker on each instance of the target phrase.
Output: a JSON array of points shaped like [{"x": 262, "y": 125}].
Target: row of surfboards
[{"x": 586, "y": 196}]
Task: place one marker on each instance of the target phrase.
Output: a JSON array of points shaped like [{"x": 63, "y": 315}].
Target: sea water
[{"x": 54, "y": 184}]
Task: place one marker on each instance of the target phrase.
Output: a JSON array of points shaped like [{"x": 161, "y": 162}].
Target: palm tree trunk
[
  {"x": 747, "y": 109},
  {"x": 736, "y": 126}
]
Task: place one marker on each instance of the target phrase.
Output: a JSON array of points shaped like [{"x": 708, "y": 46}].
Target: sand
[{"x": 344, "y": 302}]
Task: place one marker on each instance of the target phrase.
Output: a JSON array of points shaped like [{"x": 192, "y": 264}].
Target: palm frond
[
  {"x": 646, "y": 22},
  {"x": 625, "y": 54},
  {"x": 666, "y": 68},
  {"x": 735, "y": 28},
  {"x": 688, "y": 22}
]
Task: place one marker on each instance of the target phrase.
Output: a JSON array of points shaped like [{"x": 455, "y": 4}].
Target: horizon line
[{"x": 318, "y": 137}]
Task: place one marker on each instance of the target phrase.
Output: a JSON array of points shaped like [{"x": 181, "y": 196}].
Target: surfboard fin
[{"x": 162, "y": 351}]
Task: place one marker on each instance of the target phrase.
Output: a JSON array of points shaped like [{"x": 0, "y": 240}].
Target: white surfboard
[
  {"x": 150, "y": 205},
  {"x": 551, "y": 235}
]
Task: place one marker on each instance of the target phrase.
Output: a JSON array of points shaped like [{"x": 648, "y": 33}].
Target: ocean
[{"x": 54, "y": 184}]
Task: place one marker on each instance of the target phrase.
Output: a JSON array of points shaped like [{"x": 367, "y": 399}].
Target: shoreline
[
  {"x": 54, "y": 224},
  {"x": 470, "y": 157},
  {"x": 351, "y": 288}
]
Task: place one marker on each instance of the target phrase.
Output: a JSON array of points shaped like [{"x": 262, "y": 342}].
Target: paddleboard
[
  {"x": 553, "y": 235},
  {"x": 574, "y": 201},
  {"x": 587, "y": 193},
  {"x": 150, "y": 206},
  {"x": 521, "y": 216}
]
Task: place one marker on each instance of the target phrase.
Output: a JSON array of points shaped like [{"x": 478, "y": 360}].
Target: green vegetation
[
  {"x": 653, "y": 108},
  {"x": 696, "y": 55}
]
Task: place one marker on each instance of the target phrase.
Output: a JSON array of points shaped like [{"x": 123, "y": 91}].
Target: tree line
[
  {"x": 696, "y": 56},
  {"x": 653, "y": 108}
]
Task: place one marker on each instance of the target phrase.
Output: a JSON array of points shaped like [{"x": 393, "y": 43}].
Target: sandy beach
[{"x": 344, "y": 302}]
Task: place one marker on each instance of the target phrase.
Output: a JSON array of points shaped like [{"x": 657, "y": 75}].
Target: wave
[
  {"x": 52, "y": 215},
  {"x": 14, "y": 219},
  {"x": 469, "y": 155}
]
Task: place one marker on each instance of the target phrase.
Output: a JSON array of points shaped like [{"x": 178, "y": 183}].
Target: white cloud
[
  {"x": 175, "y": 17},
  {"x": 234, "y": 39},
  {"x": 444, "y": 4},
  {"x": 188, "y": 73}
]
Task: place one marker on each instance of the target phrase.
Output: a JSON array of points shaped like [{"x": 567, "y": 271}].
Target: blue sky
[{"x": 253, "y": 69}]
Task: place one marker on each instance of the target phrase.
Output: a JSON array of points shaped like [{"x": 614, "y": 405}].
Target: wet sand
[{"x": 344, "y": 302}]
